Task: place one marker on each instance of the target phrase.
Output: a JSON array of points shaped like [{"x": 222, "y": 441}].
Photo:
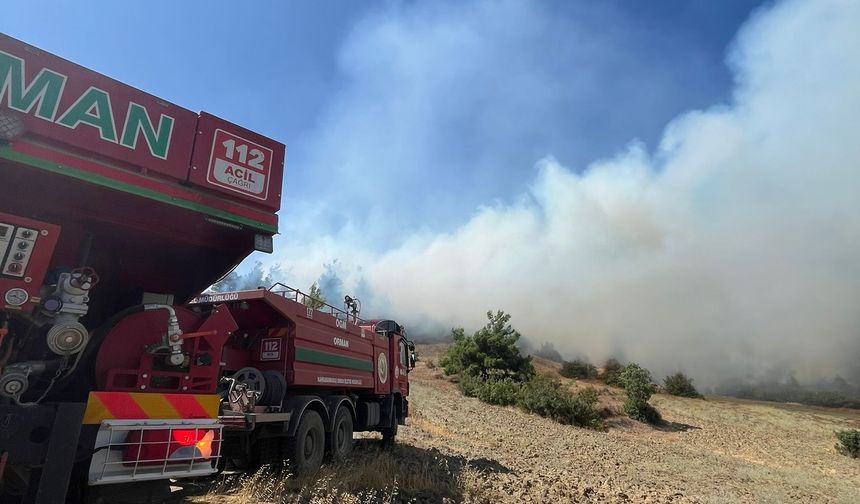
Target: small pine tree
[
  {"x": 681, "y": 385},
  {"x": 314, "y": 298},
  {"x": 490, "y": 353},
  {"x": 458, "y": 353}
]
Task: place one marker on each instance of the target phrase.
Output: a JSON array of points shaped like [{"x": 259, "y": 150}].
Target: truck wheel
[
  {"x": 305, "y": 450},
  {"x": 341, "y": 435},
  {"x": 388, "y": 434}
]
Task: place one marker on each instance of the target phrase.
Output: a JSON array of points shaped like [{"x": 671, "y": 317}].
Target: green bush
[
  {"x": 680, "y": 384},
  {"x": 504, "y": 392},
  {"x": 578, "y": 369},
  {"x": 848, "y": 443},
  {"x": 638, "y": 386},
  {"x": 589, "y": 395},
  {"x": 469, "y": 386},
  {"x": 611, "y": 375},
  {"x": 548, "y": 398},
  {"x": 490, "y": 367},
  {"x": 490, "y": 353}
]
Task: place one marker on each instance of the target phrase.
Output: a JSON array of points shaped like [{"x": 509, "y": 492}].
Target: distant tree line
[{"x": 839, "y": 394}]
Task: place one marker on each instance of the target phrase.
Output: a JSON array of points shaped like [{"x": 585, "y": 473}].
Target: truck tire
[
  {"x": 389, "y": 433},
  {"x": 341, "y": 435},
  {"x": 306, "y": 449}
]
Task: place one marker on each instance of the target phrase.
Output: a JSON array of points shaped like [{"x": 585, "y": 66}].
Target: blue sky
[{"x": 376, "y": 97}]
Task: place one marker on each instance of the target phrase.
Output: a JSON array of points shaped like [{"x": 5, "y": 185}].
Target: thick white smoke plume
[{"x": 733, "y": 248}]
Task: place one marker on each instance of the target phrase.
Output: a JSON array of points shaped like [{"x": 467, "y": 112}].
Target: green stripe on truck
[
  {"x": 330, "y": 359},
  {"x": 8, "y": 153}
]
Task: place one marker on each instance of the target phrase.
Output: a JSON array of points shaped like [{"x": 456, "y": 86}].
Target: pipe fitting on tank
[
  {"x": 15, "y": 378},
  {"x": 14, "y": 381},
  {"x": 173, "y": 337},
  {"x": 65, "y": 306}
]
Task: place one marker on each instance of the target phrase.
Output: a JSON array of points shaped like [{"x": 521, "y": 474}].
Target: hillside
[{"x": 711, "y": 451}]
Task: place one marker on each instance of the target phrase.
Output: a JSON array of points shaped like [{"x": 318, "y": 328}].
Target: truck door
[
  {"x": 401, "y": 368},
  {"x": 383, "y": 364}
]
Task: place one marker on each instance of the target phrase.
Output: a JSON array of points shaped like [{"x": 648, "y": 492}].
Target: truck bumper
[{"x": 41, "y": 441}]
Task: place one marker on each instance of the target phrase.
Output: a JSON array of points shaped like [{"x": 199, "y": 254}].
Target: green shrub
[
  {"x": 638, "y": 386},
  {"x": 504, "y": 392},
  {"x": 548, "y": 398},
  {"x": 680, "y": 384},
  {"x": 611, "y": 375},
  {"x": 490, "y": 353},
  {"x": 589, "y": 395},
  {"x": 848, "y": 443},
  {"x": 578, "y": 369},
  {"x": 490, "y": 367},
  {"x": 469, "y": 386}
]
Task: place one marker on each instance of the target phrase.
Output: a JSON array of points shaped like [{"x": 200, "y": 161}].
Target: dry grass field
[{"x": 458, "y": 449}]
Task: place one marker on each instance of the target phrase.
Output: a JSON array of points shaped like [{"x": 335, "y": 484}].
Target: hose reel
[{"x": 250, "y": 387}]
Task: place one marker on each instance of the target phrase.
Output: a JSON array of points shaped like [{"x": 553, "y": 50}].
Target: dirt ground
[{"x": 458, "y": 449}]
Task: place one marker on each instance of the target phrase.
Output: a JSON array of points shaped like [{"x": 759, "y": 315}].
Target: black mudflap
[{"x": 44, "y": 438}]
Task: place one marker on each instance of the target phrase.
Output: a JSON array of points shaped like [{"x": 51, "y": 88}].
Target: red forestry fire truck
[{"x": 117, "y": 209}]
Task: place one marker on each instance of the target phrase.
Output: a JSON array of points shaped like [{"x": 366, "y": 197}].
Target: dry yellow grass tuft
[{"x": 373, "y": 474}]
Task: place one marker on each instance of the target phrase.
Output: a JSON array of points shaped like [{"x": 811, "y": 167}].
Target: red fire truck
[{"x": 117, "y": 209}]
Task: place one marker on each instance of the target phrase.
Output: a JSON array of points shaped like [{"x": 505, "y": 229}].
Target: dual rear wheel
[
  {"x": 304, "y": 452},
  {"x": 341, "y": 435},
  {"x": 307, "y": 449}
]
